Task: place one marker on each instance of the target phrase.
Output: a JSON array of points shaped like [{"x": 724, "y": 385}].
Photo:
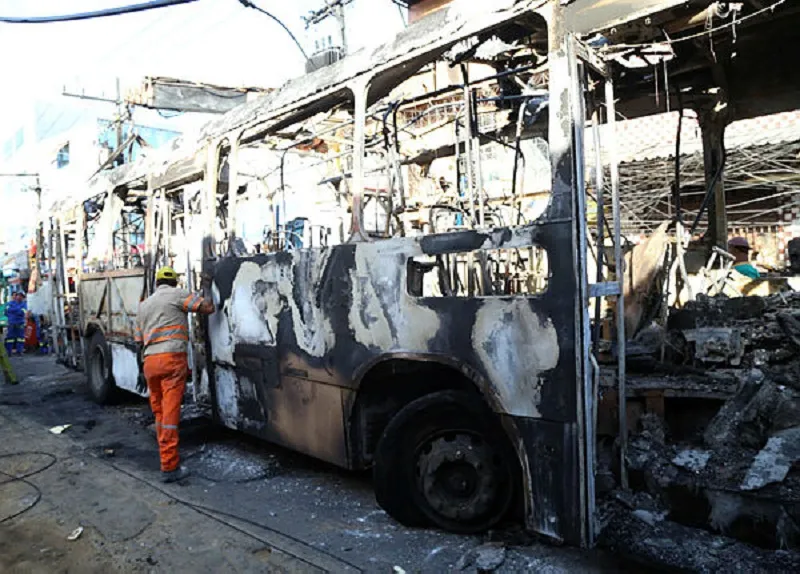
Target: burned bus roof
[
  {"x": 386, "y": 66},
  {"x": 301, "y": 97},
  {"x": 420, "y": 43}
]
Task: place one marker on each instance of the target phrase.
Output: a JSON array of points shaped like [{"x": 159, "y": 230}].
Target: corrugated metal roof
[{"x": 653, "y": 137}]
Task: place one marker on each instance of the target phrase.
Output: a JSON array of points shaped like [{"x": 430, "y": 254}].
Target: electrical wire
[
  {"x": 401, "y": 6},
  {"x": 30, "y": 506},
  {"x": 22, "y": 478},
  {"x": 172, "y": 113},
  {"x": 706, "y": 32},
  {"x": 249, "y": 4},
  {"x": 130, "y": 9}
]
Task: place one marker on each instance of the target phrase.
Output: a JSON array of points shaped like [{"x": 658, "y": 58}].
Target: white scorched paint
[
  {"x": 380, "y": 301},
  {"x": 253, "y": 310},
  {"x": 245, "y": 313},
  {"x": 312, "y": 328},
  {"x": 516, "y": 347},
  {"x": 227, "y": 397},
  {"x": 125, "y": 368},
  {"x": 219, "y": 330}
]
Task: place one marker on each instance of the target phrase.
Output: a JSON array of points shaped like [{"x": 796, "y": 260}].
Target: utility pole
[
  {"x": 39, "y": 222},
  {"x": 123, "y": 115},
  {"x": 332, "y": 9},
  {"x": 39, "y": 235},
  {"x": 120, "y": 114}
]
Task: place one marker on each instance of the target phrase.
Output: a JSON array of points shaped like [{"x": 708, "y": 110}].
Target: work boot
[{"x": 175, "y": 475}]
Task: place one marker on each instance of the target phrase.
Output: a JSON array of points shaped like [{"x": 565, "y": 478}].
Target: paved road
[{"x": 250, "y": 506}]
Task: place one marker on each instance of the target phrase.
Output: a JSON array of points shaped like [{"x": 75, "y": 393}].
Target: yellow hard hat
[{"x": 166, "y": 273}]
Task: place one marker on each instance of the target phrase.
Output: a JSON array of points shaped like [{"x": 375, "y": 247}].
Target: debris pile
[
  {"x": 641, "y": 536},
  {"x": 738, "y": 473},
  {"x": 742, "y": 332}
]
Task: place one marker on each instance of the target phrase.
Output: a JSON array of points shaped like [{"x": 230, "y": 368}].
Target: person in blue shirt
[
  {"x": 16, "y": 311},
  {"x": 740, "y": 249}
]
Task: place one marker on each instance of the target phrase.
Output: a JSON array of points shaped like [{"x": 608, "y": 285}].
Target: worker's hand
[
  {"x": 141, "y": 384},
  {"x": 205, "y": 281},
  {"x": 141, "y": 381}
]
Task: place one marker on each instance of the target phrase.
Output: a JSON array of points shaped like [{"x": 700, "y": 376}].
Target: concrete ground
[{"x": 250, "y": 506}]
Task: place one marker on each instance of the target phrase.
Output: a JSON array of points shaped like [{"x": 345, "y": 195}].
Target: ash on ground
[{"x": 229, "y": 463}]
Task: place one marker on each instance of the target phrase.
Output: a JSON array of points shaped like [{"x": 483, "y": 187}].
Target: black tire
[
  {"x": 98, "y": 369},
  {"x": 444, "y": 459}
]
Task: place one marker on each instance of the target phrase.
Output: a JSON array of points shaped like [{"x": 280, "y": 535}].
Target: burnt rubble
[
  {"x": 725, "y": 489},
  {"x": 642, "y": 537}
]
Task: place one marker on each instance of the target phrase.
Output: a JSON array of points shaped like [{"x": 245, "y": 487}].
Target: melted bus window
[{"x": 514, "y": 272}]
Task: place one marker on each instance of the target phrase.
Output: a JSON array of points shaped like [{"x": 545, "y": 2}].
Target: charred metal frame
[
  {"x": 559, "y": 484},
  {"x": 305, "y": 387}
]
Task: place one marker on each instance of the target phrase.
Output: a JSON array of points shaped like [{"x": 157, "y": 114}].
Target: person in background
[
  {"x": 740, "y": 249},
  {"x": 16, "y": 311},
  {"x": 5, "y": 365}
]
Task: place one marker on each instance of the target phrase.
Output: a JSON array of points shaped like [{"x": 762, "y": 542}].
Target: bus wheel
[
  {"x": 444, "y": 458},
  {"x": 98, "y": 369}
]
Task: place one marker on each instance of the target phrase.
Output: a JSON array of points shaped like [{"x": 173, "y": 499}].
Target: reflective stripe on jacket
[{"x": 162, "y": 324}]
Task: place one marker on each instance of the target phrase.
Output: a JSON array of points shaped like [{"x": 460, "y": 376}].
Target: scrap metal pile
[{"x": 723, "y": 464}]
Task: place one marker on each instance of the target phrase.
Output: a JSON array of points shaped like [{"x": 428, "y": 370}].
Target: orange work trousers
[{"x": 166, "y": 379}]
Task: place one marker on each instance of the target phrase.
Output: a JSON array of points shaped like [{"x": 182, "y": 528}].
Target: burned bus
[{"x": 398, "y": 246}]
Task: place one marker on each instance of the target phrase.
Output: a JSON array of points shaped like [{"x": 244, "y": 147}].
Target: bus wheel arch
[{"x": 405, "y": 404}]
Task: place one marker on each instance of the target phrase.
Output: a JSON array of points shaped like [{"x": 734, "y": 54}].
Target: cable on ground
[{"x": 22, "y": 478}]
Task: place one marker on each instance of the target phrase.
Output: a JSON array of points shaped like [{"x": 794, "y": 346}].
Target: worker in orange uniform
[{"x": 162, "y": 330}]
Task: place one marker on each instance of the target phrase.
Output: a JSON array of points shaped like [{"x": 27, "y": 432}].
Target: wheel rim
[{"x": 462, "y": 478}]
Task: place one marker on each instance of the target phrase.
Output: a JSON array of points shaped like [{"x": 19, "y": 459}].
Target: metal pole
[
  {"x": 121, "y": 158},
  {"x": 340, "y": 17},
  {"x": 585, "y": 404},
  {"x": 39, "y": 235},
  {"x": 54, "y": 296},
  {"x": 359, "y": 146},
  {"x": 233, "y": 188},
  {"x": 599, "y": 192},
  {"x": 478, "y": 166},
  {"x": 619, "y": 263},
  {"x": 63, "y": 289},
  {"x": 210, "y": 203},
  {"x": 190, "y": 286},
  {"x": 468, "y": 145}
]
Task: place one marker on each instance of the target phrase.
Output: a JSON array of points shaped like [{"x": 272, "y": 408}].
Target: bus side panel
[
  {"x": 110, "y": 301},
  {"x": 299, "y": 414}
]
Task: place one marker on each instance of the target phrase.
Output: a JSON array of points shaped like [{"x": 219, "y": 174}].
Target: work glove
[
  {"x": 141, "y": 384},
  {"x": 205, "y": 285},
  {"x": 141, "y": 381}
]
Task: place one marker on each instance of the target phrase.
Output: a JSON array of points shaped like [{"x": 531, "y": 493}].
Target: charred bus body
[{"x": 439, "y": 337}]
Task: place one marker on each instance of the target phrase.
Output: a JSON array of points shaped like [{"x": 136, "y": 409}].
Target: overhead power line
[
  {"x": 707, "y": 32},
  {"x": 248, "y": 4},
  {"x": 130, "y": 9}
]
